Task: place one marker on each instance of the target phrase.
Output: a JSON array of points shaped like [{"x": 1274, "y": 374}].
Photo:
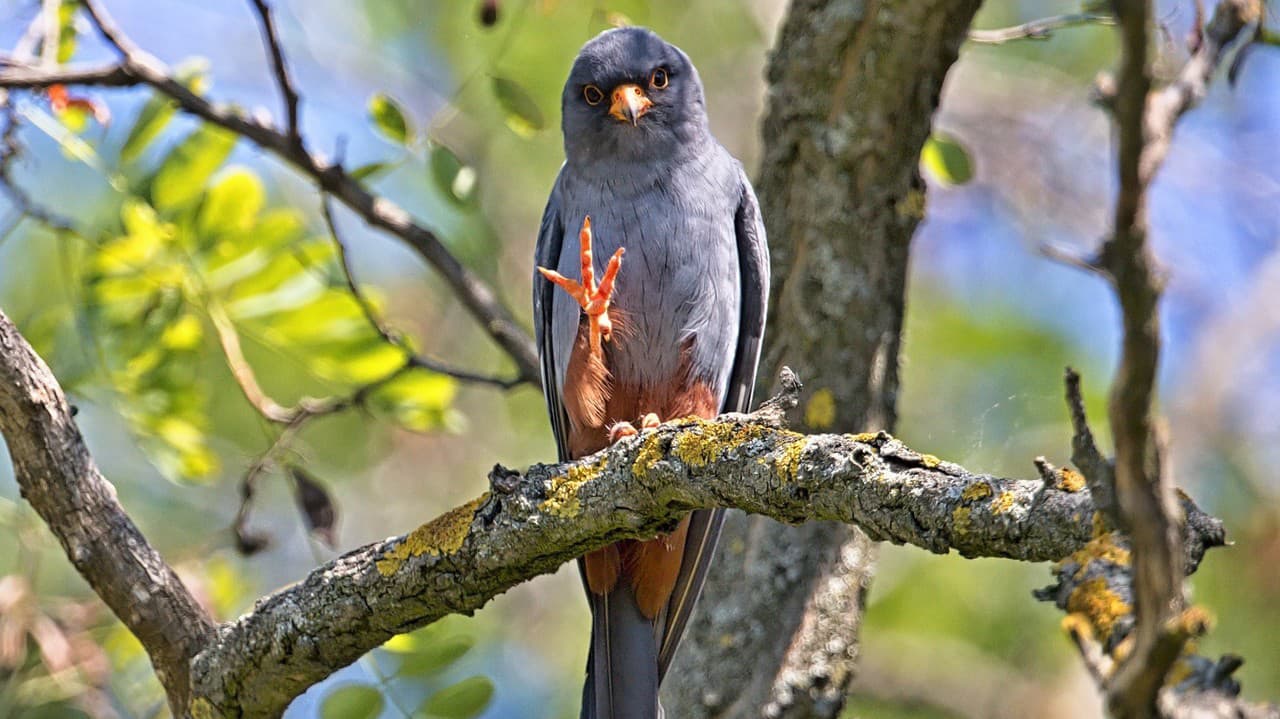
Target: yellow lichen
[
  {"x": 1077, "y": 625},
  {"x": 1103, "y": 547},
  {"x": 976, "y": 491},
  {"x": 1102, "y": 606},
  {"x": 649, "y": 455},
  {"x": 1099, "y": 525},
  {"x": 788, "y": 461},
  {"x": 911, "y": 206},
  {"x": 960, "y": 521},
  {"x": 442, "y": 535},
  {"x": 930, "y": 461},
  {"x": 1070, "y": 480},
  {"x": 710, "y": 440},
  {"x": 1193, "y": 622},
  {"x": 562, "y": 495},
  {"x": 820, "y": 411},
  {"x": 1180, "y": 670},
  {"x": 864, "y": 437},
  {"x": 1003, "y": 503},
  {"x": 202, "y": 708}
]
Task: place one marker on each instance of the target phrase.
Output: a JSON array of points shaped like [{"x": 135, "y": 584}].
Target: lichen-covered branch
[
  {"x": 533, "y": 522},
  {"x": 530, "y": 524},
  {"x": 58, "y": 477}
]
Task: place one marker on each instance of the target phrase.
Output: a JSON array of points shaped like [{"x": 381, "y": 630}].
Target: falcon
[{"x": 672, "y": 329}]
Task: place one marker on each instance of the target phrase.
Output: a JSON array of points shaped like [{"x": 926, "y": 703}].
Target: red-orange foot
[
  {"x": 625, "y": 429},
  {"x": 593, "y": 298},
  {"x": 620, "y": 430}
]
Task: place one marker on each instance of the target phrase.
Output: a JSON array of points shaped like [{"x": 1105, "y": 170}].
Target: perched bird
[{"x": 671, "y": 331}]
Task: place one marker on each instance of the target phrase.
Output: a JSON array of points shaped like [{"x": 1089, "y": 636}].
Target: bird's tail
[{"x": 622, "y": 666}]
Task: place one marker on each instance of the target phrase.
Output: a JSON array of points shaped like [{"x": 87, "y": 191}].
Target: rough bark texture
[
  {"x": 853, "y": 86},
  {"x": 635, "y": 488},
  {"x": 533, "y": 522},
  {"x": 58, "y": 477}
]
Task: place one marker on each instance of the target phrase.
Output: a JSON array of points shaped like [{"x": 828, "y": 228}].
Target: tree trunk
[{"x": 852, "y": 90}]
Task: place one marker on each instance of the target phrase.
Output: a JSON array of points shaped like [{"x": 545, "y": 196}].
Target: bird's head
[{"x": 631, "y": 97}]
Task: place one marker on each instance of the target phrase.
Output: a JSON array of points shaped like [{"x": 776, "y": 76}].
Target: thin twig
[
  {"x": 390, "y": 334},
  {"x": 271, "y": 38},
  {"x": 10, "y": 150},
  {"x": 1040, "y": 29}
]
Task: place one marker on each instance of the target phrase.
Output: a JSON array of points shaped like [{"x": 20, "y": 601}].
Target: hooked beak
[{"x": 629, "y": 103}]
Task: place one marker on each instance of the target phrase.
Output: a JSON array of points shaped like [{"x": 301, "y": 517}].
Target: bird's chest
[{"x": 675, "y": 304}]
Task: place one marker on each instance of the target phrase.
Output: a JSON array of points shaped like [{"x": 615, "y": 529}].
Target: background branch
[
  {"x": 271, "y": 39},
  {"x": 1144, "y": 504},
  {"x": 1039, "y": 29}
]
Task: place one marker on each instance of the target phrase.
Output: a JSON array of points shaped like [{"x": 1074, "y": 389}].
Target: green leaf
[
  {"x": 946, "y": 160},
  {"x": 455, "y": 179},
  {"x": 524, "y": 117},
  {"x": 352, "y": 701},
  {"x": 233, "y": 204},
  {"x": 157, "y": 112},
  {"x": 390, "y": 119},
  {"x": 417, "y": 400},
  {"x": 183, "y": 174},
  {"x": 371, "y": 170},
  {"x": 463, "y": 700},
  {"x": 436, "y": 656},
  {"x": 66, "y": 31},
  {"x": 150, "y": 123}
]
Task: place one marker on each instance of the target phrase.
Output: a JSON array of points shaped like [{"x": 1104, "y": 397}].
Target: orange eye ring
[
  {"x": 659, "y": 80},
  {"x": 593, "y": 95}
]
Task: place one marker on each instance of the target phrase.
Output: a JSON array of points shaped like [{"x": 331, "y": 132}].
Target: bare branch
[
  {"x": 138, "y": 68},
  {"x": 388, "y": 333},
  {"x": 58, "y": 477},
  {"x": 288, "y": 94},
  {"x": 1040, "y": 29},
  {"x": 1144, "y": 501},
  {"x": 10, "y": 150}
]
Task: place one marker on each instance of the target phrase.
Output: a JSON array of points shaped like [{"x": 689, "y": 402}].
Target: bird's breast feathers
[{"x": 678, "y": 289}]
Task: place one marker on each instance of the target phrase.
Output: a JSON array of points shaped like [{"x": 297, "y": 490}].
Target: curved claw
[{"x": 593, "y": 298}]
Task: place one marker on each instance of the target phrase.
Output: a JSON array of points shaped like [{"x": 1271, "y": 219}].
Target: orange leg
[{"x": 593, "y": 298}]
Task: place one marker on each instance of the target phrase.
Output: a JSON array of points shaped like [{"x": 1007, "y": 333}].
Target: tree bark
[
  {"x": 853, "y": 86},
  {"x": 58, "y": 477}
]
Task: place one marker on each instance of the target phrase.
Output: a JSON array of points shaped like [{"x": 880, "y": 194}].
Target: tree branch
[
  {"x": 1039, "y": 29},
  {"x": 58, "y": 477},
  {"x": 136, "y": 67},
  {"x": 287, "y": 92},
  {"x": 528, "y": 525},
  {"x": 1144, "y": 505}
]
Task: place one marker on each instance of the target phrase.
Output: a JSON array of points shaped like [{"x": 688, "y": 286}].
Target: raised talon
[
  {"x": 620, "y": 430},
  {"x": 593, "y": 298},
  {"x": 650, "y": 421}
]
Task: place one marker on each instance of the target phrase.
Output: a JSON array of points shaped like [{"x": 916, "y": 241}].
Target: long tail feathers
[{"x": 622, "y": 667}]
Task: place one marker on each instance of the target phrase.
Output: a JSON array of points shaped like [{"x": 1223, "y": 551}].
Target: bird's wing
[
  {"x": 547, "y": 254},
  {"x": 704, "y": 525}
]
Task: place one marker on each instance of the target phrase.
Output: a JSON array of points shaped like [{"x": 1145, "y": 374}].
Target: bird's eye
[
  {"x": 592, "y": 94},
  {"x": 658, "y": 80}
]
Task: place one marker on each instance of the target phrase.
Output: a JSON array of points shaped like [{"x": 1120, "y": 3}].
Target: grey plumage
[{"x": 696, "y": 271}]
